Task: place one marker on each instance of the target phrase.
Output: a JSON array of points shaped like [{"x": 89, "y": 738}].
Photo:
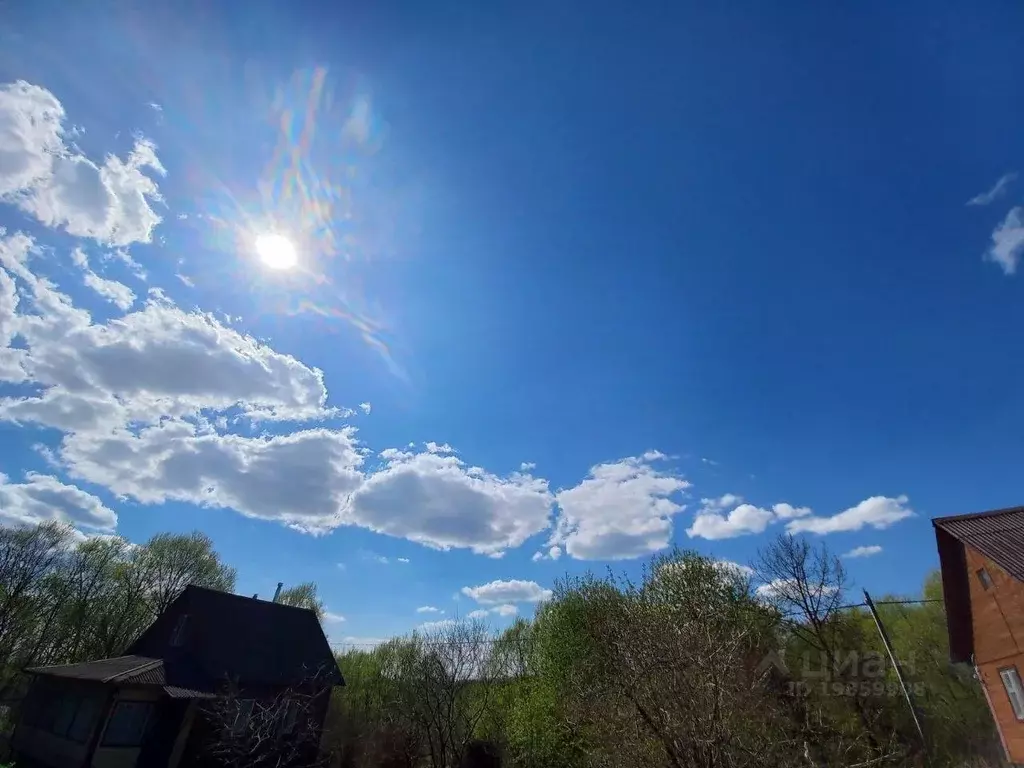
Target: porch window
[
  {"x": 127, "y": 724},
  {"x": 55, "y": 709},
  {"x": 1014, "y": 690}
]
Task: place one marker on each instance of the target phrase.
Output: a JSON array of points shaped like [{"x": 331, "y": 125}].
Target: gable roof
[
  {"x": 999, "y": 536},
  {"x": 243, "y": 638}
]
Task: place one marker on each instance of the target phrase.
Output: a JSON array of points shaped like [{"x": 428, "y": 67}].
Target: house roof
[
  {"x": 999, "y": 536},
  {"x": 205, "y": 638},
  {"x": 118, "y": 669},
  {"x": 178, "y": 678},
  {"x": 255, "y": 641}
]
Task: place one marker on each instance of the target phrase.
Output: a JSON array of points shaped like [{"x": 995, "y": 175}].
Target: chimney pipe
[{"x": 277, "y": 592}]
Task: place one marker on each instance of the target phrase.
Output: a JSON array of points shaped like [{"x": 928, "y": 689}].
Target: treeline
[
  {"x": 690, "y": 667},
  {"x": 65, "y": 600}
]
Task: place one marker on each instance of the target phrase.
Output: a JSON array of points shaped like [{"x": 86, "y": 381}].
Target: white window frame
[{"x": 1014, "y": 690}]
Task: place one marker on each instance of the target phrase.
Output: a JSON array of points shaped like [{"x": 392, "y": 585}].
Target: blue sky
[{"x": 572, "y": 286}]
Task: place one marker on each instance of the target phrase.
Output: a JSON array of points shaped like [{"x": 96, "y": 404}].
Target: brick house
[
  {"x": 207, "y": 672},
  {"x": 982, "y": 561}
]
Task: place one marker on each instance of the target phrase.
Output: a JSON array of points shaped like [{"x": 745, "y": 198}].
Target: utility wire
[{"x": 518, "y": 641}]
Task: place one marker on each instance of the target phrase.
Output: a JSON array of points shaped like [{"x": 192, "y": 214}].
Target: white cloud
[
  {"x": 30, "y": 135},
  {"x": 504, "y": 610},
  {"x": 620, "y": 510},
  {"x": 44, "y": 498},
  {"x": 439, "y": 501},
  {"x": 554, "y": 553},
  {"x": 876, "y": 512},
  {"x": 333, "y": 618},
  {"x": 301, "y": 478},
  {"x": 711, "y": 523},
  {"x": 109, "y": 202},
  {"x": 118, "y": 294},
  {"x": 729, "y": 566},
  {"x": 437, "y": 626},
  {"x": 403, "y": 560},
  {"x": 365, "y": 408},
  {"x": 527, "y": 466},
  {"x": 1000, "y": 188},
  {"x": 867, "y": 551},
  {"x": 159, "y": 360},
  {"x": 785, "y": 511},
  {"x": 185, "y": 279},
  {"x": 1008, "y": 241},
  {"x": 514, "y": 591},
  {"x": 781, "y": 587},
  {"x": 428, "y": 609},
  {"x": 433, "y": 447}
]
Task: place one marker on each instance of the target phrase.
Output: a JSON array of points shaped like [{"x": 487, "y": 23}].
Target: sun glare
[{"x": 276, "y": 251}]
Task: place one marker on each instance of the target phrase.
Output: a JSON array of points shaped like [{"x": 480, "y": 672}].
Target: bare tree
[
  {"x": 807, "y": 585},
  {"x": 271, "y": 730},
  {"x": 454, "y": 683}
]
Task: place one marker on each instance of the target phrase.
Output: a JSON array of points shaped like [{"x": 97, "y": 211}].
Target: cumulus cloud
[
  {"x": 622, "y": 509},
  {"x": 1008, "y": 241},
  {"x": 712, "y": 522},
  {"x": 428, "y": 609},
  {"x": 437, "y": 500},
  {"x": 109, "y": 201},
  {"x": 505, "y": 610},
  {"x": 333, "y": 618},
  {"x": 877, "y": 512},
  {"x": 43, "y": 498},
  {"x": 997, "y": 191},
  {"x": 158, "y": 360},
  {"x": 31, "y": 131},
  {"x": 729, "y": 516},
  {"x": 301, "y": 478},
  {"x": 365, "y": 408},
  {"x": 728, "y": 566},
  {"x": 867, "y": 551},
  {"x": 118, "y": 294},
  {"x": 514, "y": 591}
]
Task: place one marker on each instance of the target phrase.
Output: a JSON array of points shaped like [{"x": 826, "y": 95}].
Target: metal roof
[
  {"x": 117, "y": 669},
  {"x": 999, "y": 535}
]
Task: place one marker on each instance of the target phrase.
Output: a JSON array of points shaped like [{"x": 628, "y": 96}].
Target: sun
[{"x": 276, "y": 251}]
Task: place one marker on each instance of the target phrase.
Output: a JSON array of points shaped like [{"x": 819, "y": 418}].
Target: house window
[
  {"x": 1014, "y": 690},
  {"x": 85, "y": 719},
  {"x": 984, "y": 578},
  {"x": 179, "y": 631},
  {"x": 127, "y": 724}
]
